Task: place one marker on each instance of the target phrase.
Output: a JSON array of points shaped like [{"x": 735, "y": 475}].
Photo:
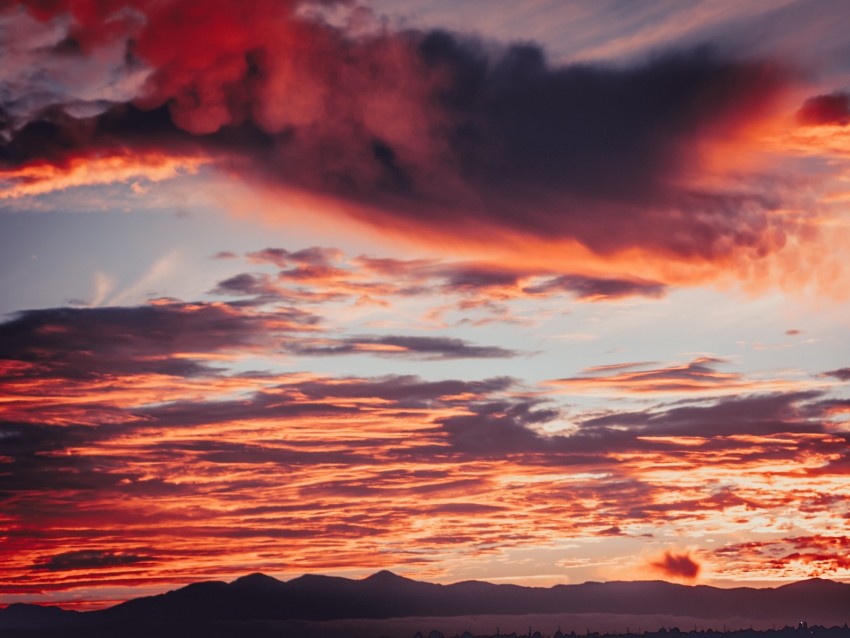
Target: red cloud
[
  {"x": 825, "y": 109},
  {"x": 425, "y": 131},
  {"x": 818, "y": 555},
  {"x": 678, "y": 566}
]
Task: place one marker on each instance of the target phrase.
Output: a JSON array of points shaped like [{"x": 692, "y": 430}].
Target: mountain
[
  {"x": 23, "y": 616},
  {"x": 261, "y": 598}
]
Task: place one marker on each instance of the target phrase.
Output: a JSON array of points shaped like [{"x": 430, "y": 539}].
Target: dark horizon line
[
  {"x": 389, "y": 574},
  {"x": 801, "y": 630}
]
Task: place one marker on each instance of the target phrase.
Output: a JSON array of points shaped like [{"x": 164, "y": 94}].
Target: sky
[{"x": 539, "y": 292}]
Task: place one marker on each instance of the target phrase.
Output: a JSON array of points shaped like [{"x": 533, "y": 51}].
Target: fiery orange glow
[{"x": 40, "y": 178}]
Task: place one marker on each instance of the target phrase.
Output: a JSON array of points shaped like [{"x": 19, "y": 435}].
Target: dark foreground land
[
  {"x": 384, "y": 604},
  {"x": 802, "y": 630},
  {"x": 258, "y": 629}
]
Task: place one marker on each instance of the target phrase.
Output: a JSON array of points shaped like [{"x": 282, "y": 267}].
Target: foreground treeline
[
  {"x": 332, "y": 630},
  {"x": 803, "y": 630}
]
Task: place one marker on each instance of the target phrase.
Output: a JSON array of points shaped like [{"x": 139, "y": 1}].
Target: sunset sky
[{"x": 534, "y": 292}]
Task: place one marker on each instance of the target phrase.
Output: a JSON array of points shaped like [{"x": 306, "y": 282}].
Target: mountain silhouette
[
  {"x": 257, "y": 597},
  {"x": 22, "y": 615}
]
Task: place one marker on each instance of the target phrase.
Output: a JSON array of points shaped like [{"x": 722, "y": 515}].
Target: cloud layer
[
  {"x": 431, "y": 131},
  {"x": 531, "y": 394},
  {"x": 138, "y": 447}
]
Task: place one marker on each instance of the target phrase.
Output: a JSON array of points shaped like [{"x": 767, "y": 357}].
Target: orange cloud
[
  {"x": 38, "y": 178},
  {"x": 700, "y": 375},
  {"x": 308, "y": 473}
]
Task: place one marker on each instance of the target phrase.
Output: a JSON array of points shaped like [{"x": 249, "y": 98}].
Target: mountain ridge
[{"x": 315, "y": 597}]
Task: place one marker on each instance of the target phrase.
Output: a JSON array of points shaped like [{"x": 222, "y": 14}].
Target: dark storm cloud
[
  {"x": 58, "y": 138},
  {"x": 435, "y": 131}
]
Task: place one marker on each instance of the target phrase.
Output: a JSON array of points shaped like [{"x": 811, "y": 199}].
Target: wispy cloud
[{"x": 117, "y": 413}]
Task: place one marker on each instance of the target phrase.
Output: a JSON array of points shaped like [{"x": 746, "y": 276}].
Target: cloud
[
  {"x": 39, "y": 177},
  {"x": 619, "y": 366},
  {"x": 435, "y": 135},
  {"x": 90, "y": 559},
  {"x": 49, "y": 471},
  {"x": 168, "y": 338},
  {"x": 501, "y": 428},
  {"x": 471, "y": 278},
  {"x": 677, "y": 566},
  {"x": 699, "y": 375},
  {"x": 452, "y": 134},
  {"x": 258, "y": 286},
  {"x": 831, "y": 109},
  {"x": 427, "y": 348},
  {"x": 286, "y": 468},
  {"x": 37, "y": 455},
  {"x": 475, "y": 292},
  {"x": 749, "y": 415},
  {"x": 598, "y": 288},
  {"x": 816, "y": 555},
  {"x": 842, "y": 374},
  {"x": 314, "y": 256},
  {"x": 748, "y": 429}
]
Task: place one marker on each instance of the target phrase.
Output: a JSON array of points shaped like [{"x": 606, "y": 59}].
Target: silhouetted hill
[
  {"x": 37, "y": 617},
  {"x": 258, "y": 597}
]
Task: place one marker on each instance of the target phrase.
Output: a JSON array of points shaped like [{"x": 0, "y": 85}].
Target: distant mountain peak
[
  {"x": 385, "y": 576},
  {"x": 256, "y": 578},
  {"x": 814, "y": 583}
]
